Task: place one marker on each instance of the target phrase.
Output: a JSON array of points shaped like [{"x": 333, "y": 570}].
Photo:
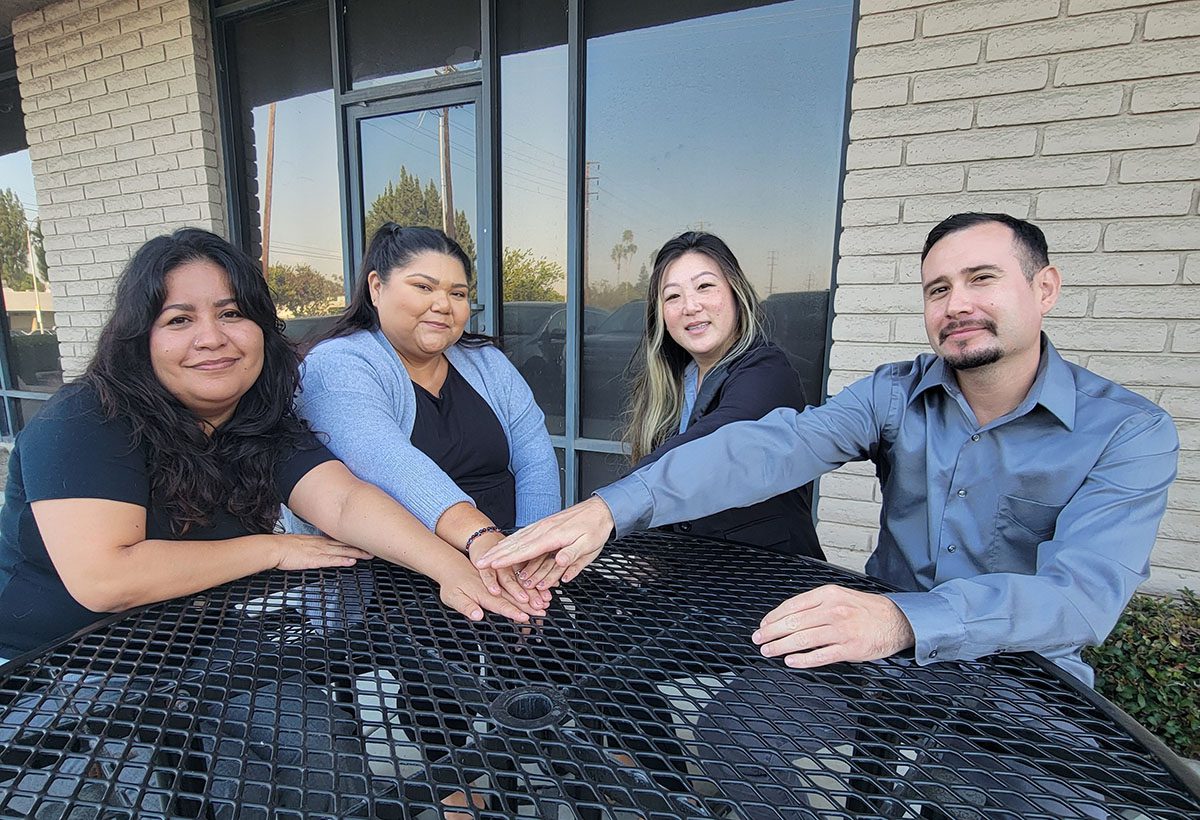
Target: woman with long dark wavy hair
[
  {"x": 161, "y": 471},
  {"x": 436, "y": 416},
  {"x": 706, "y": 362}
]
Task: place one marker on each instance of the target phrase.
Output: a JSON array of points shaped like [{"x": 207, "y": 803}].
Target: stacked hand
[
  {"x": 513, "y": 582},
  {"x": 294, "y": 552},
  {"x": 572, "y": 538}
]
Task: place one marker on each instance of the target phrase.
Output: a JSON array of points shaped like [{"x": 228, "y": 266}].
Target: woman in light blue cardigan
[{"x": 435, "y": 416}]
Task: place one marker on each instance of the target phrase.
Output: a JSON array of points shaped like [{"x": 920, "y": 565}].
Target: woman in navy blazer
[{"x": 706, "y": 362}]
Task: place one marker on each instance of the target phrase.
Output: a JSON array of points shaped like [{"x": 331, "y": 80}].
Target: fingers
[
  {"x": 798, "y": 603},
  {"x": 464, "y": 604},
  {"x": 521, "y": 546},
  {"x": 803, "y": 640},
  {"x": 503, "y": 606},
  {"x": 573, "y": 559},
  {"x": 544, "y": 573},
  {"x": 508, "y": 581}
]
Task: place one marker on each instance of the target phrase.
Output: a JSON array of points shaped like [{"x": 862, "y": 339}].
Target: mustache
[{"x": 953, "y": 327}]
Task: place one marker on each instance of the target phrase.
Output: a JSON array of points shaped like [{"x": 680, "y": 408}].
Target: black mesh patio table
[{"x": 354, "y": 693}]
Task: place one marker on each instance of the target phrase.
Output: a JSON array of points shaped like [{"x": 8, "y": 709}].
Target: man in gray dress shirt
[{"x": 1021, "y": 493}]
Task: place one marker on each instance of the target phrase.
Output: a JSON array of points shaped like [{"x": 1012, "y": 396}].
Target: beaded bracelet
[{"x": 478, "y": 533}]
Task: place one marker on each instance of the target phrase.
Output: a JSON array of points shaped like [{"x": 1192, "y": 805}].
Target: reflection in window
[
  {"x": 289, "y": 123},
  {"x": 418, "y": 168},
  {"x": 739, "y": 134},
  {"x": 32, "y": 342},
  {"x": 390, "y": 41},
  {"x": 533, "y": 189}
]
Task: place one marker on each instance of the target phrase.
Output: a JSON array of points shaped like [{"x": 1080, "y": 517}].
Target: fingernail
[{"x": 756, "y": 637}]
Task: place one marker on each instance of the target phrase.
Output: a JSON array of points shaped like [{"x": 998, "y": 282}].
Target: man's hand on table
[
  {"x": 832, "y": 624},
  {"x": 511, "y": 583},
  {"x": 575, "y": 536}
]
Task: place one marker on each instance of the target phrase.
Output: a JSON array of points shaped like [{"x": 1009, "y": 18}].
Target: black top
[
  {"x": 70, "y": 451},
  {"x": 746, "y": 390},
  {"x": 460, "y": 433}
]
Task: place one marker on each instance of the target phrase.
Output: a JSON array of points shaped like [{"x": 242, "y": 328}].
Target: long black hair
[
  {"x": 394, "y": 246},
  {"x": 192, "y": 473}
]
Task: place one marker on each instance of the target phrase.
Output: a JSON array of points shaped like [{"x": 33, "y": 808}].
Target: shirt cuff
[
  {"x": 937, "y": 629},
  {"x": 630, "y": 503}
]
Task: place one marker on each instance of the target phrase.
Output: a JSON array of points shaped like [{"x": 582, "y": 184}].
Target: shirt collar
[{"x": 1053, "y": 387}]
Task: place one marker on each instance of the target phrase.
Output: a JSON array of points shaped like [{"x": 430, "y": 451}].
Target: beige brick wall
[
  {"x": 119, "y": 110},
  {"x": 1082, "y": 115}
]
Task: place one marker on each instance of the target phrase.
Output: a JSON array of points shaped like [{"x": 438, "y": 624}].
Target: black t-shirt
[
  {"x": 70, "y": 451},
  {"x": 460, "y": 433}
]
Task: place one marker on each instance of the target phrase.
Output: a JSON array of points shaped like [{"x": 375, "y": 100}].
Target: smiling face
[
  {"x": 980, "y": 307},
  {"x": 423, "y": 306},
  {"x": 699, "y": 308},
  {"x": 202, "y": 349}
]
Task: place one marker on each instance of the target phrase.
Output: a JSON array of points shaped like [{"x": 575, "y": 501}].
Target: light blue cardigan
[{"x": 355, "y": 390}]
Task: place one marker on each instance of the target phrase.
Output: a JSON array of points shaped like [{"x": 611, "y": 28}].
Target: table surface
[{"x": 354, "y": 693}]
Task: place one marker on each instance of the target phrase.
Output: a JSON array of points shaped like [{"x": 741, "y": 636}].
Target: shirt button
[
  {"x": 933, "y": 653},
  {"x": 685, "y": 526},
  {"x": 975, "y": 437},
  {"x": 951, "y": 548},
  {"x": 962, "y": 493}
]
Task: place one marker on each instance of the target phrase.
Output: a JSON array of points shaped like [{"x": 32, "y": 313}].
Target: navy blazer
[{"x": 747, "y": 389}]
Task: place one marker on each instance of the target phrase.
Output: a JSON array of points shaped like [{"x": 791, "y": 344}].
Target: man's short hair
[{"x": 1031, "y": 242}]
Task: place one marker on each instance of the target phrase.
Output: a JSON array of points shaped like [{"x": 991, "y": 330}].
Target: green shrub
[{"x": 1150, "y": 666}]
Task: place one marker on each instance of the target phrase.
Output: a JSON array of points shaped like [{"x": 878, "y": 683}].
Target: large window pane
[
  {"x": 740, "y": 134},
  {"x": 291, "y": 208},
  {"x": 418, "y": 168},
  {"x": 533, "y": 186},
  {"x": 390, "y": 41},
  {"x": 32, "y": 342}
]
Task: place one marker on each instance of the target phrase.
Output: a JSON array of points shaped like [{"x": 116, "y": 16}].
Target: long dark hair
[
  {"x": 394, "y": 246},
  {"x": 657, "y": 398},
  {"x": 193, "y": 474}
]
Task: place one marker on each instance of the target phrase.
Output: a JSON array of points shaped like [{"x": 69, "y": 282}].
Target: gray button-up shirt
[{"x": 1030, "y": 532}]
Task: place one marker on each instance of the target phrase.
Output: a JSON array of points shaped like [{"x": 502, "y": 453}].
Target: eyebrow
[
  {"x": 433, "y": 280},
  {"x": 692, "y": 279},
  {"x": 232, "y": 300},
  {"x": 965, "y": 271}
]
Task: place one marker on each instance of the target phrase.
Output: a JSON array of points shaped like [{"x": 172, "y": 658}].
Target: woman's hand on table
[
  {"x": 574, "y": 536},
  {"x": 831, "y": 624},
  {"x": 463, "y": 590},
  {"x": 313, "y": 552},
  {"x": 510, "y": 582}
]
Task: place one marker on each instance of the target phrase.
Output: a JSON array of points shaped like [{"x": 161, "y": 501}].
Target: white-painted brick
[
  {"x": 1186, "y": 338},
  {"x": 118, "y": 170},
  {"x": 1165, "y": 199},
  {"x": 971, "y": 15},
  {"x": 1120, "y": 268},
  {"x": 906, "y": 58},
  {"x": 1060, "y": 36},
  {"x": 1038, "y": 173},
  {"x": 1050, "y": 106},
  {"x": 980, "y": 81},
  {"x": 887, "y": 28},
  {"x": 877, "y": 298},
  {"x": 1155, "y": 371},
  {"x": 871, "y": 212},
  {"x": 932, "y": 179},
  {"x": 144, "y": 56},
  {"x": 1178, "y": 20},
  {"x": 161, "y": 198},
  {"x": 866, "y": 270},
  {"x": 1133, "y": 62},
  {"x": 848, "y": 486},
  {"x": 1191, "y": 269},
  {"x": 1160, "y": 165},
  {"x": 147, "y": 216},
  {"x": 1171, "y": 94},
  {"x": 867, "y": 357},
  {"x": 912, "y": 119},
  {"x": 883, "y": 239},
  {"x": 1089, "y": 6},
  {"x": 1153, "y": 235},
  {"x": 1178, "y": 302},
  {"x": 1071, "y": 237},
  {"x": 1128, "y": 335},
  {"x": 879, "y": 92},
  {"x": 935, "y": 208},
  {"x": 874, "y": 153},
  {"x": 109, "y": 103},
  {"x": 1114, "y": 134},
  {"x": 862, "y": 328},
  {"x": 971, "y": 145}
]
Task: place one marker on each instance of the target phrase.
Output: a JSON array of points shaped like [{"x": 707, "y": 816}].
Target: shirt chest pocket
[{"x": 1021, "y": 525}]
